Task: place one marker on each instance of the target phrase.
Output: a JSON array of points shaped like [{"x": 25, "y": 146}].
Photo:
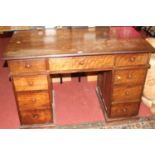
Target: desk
[{"x": 120, "y": 58}]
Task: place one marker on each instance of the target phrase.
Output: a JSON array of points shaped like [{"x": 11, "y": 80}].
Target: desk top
[
  {"x": 16, "y": 28},
  {"x": 75, "y": 41}
]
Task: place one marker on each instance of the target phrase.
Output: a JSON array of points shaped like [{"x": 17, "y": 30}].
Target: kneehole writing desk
[{"x": 121, "y": 59}]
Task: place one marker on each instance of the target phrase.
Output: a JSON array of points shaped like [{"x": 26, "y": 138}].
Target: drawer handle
[
  {"x": 27, "y": 66},
  {"x": 18, "y": 42},
  {"x": 35, "y": 116},
  {"x": 33, "y": 100},
  {"x": 81, "y": 63},
  {"x": 132, "y": 59},
  {"x": 126, "y": 93},
  {"x": 118, "y": 77},
  {"x": 129, "y": 76},
  {"x": 124, "y": 109},
  {"x": 30, "y": 83}
]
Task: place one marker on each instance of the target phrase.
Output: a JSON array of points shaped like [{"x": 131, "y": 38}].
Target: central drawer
[
  {"x": 81, "y": 63},
  {"x": 30, "y": 82}
]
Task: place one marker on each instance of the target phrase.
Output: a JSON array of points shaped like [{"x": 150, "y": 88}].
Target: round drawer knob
[
  {"x": 30, "y": 83},
  {"x": 35, "y": 116},
  {"x": 118, "y": 77},
  {"x": 126, "y": 93},
  {"x": 132, "y": 59},
  {"x": 124, "y": 109},
  {"x": 129, "y": 76},
  {"x": 27, "y": 66},
  {"x": 79, "y": 52},
  {"x": 18, "y": 42},
  {"x": 33, "y": 100},
  {"x": 81, "y": 63}
]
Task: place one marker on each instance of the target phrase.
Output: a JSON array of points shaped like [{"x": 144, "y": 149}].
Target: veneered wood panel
[
  {"x": 14, "y": 28},
  {"x": 33, "y": 100},
  {"x": 126, "y": 93},
  {"x": 131, "y": 59},
  {"x": 30, "y": 82},
  {"x": 124, "y": 109},
  {"x": 77, "y": 41},
  {"x": 36, "y": 116},
  {"x": 27, "y": 66},
  {"x": 81, "y": 63},
  {"x": 104, "y": 84},
  {"x": 130, "y": 76}
]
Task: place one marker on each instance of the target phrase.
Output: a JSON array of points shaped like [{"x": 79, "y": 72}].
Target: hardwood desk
[{"x": 121, "y": 59}]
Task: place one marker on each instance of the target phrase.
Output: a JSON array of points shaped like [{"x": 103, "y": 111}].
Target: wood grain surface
[
  {"x": 27, "y": 66},
  {"x": 73, "y": 41},
  {"x": 33, "y": 100},
  {"x": 130, "y": 76},
  {"x": 36, "y": 116},
  {"x": 124, "y": 109},
  {"x": 131, "y": 59},
  {"x": 81, "y": 63},
  {"x": 30, "y": 82},
  {"x": 15, "y": 28},
  {"x": 126, "y": 93}
]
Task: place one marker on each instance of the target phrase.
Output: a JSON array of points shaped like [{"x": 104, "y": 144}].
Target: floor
[{"x": 75, "y": 102}]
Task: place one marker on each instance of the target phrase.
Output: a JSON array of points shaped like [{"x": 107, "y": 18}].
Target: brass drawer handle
[
  {"x": 27, "y": 66},
  {"x": 35, "y": 116},
  {"x": 132, "y": 59}
]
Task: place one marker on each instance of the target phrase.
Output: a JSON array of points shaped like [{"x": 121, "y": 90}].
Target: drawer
[
  {"x": 130, "y": 76},
  {"x": 131, "y": 59},
  {"x": 125, "y": 93},
  {"x": 81, "y": 63},
  {"x": 33, "y": 100},
  {"x": 36, "y": 116},
  {"x": 124, "y": 109},
  {"x": 27, "y": 83},
  {"x": 27, "y": 66}
]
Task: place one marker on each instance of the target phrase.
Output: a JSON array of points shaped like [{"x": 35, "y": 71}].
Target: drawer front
[
  {"x": 27, "y": 66},
  {"x": 36, "y": 116},
  {"x": 131, "y": 59},
  {"x": 126, "y": 93},
  {"x": 33, "y": 100},
  {"x": 130, "y": 76},
  {"x": 124, "y": 109},
  {"x": 27, "y": 83},
  {"x": 80, "y": 63}
]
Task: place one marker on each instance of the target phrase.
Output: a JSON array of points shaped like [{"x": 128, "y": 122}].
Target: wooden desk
[{"x": 121, "y": 59}]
